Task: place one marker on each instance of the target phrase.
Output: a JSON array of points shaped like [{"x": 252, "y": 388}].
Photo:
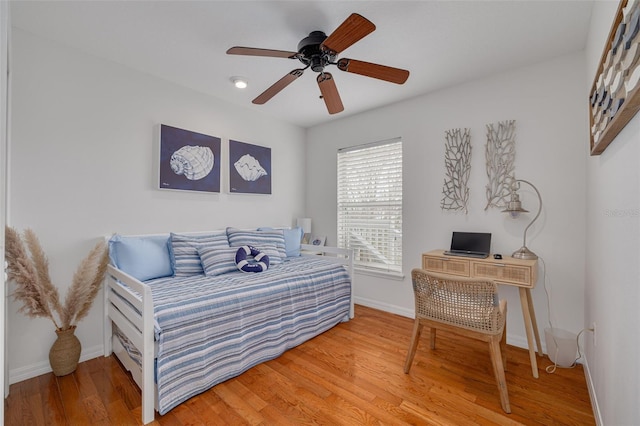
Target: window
[{"x": 370, "y": 204}]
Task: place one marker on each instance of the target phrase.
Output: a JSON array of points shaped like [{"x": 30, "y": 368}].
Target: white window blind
[{"x": 370, "y": 204}]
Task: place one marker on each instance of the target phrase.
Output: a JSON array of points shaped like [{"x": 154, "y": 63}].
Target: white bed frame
[{"x": 138, "y": 324}]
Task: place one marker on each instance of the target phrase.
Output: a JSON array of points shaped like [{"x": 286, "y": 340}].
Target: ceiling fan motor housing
[{"x": 311, "y": 54}]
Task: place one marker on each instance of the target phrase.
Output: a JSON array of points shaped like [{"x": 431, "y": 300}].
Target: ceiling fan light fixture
[{"x": 239, "y": 82}]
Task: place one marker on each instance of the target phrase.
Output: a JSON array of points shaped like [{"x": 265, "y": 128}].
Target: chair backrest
[{"x": 469, "y": 303}]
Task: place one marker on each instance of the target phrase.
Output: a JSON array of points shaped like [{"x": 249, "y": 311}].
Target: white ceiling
[{"x": 442, "y": 43}]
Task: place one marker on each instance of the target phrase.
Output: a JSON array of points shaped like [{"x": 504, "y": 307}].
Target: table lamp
[
  {"x": 514, "y": 208},
  {"x": 305, "y": 224}
]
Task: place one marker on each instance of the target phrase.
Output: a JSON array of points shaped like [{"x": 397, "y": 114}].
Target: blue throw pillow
[
  {"x": 292, "y": 239},
  {"x": 143, "y": 258}
]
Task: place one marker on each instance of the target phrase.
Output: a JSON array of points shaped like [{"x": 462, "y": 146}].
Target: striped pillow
[
  {"x": 185, "y": 260},
  {"x": 217, "y": 261},
  {"x": 271, "y": 251},
  {"x": 258, "y": 239}
]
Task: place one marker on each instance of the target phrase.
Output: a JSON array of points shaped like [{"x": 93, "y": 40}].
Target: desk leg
[
  {"x": 524, "y": 301},
  {"x": 534, "y": 323}
]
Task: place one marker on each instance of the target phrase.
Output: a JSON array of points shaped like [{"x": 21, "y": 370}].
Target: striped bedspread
[{"x": 209, "y": 329}]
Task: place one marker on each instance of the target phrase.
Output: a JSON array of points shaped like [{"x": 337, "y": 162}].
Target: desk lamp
[{"x": 514, "y": 208}]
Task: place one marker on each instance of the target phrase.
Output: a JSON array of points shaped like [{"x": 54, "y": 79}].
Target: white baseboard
[
  {"x": 592, "y": 392},
  {"x": 34, "y": 370},
  {"x": 375, "y": 304}
]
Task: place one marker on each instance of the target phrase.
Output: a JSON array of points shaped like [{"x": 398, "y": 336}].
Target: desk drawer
[
  {"x": 513, "y": 274},
  {"x": 446, "y": 265}
]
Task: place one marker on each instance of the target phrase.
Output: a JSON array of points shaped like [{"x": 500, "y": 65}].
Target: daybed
[{"x": 181, "y": 328}]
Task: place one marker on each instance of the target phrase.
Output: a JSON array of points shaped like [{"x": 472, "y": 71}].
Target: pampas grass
[{"x": 39, "y": 297}]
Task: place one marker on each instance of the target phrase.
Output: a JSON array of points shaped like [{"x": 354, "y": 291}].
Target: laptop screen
[{"x": 471, "y": 241}]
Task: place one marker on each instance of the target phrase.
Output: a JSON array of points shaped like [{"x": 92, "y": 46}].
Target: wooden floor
[{"x": 350, "y": 375}]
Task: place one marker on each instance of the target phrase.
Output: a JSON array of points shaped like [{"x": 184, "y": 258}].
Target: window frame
[{"x": 386, "y": 250}]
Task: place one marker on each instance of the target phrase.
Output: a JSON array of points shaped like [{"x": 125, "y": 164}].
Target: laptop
[{"x": 470, "y": 244}]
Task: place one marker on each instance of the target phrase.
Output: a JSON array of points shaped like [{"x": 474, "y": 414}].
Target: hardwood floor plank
[
  {"x": 124, "y": 385},
  {"x": 275, "y": 417},
  {"x": 19, "y": 411},
  {"x": 239, "y": 404},
  {"x": 95, "y": 409},
  {"x": 86, "y": 386},
  {"x": 288, "y": 368},
  {"x": 330, "y": 381},
  {"x": 295, "y": 403},
  {"x": 206, "y": 413},
  {"x": 35, "y": 406},
  {"x": 247, "y": 395},
  {"x": 50, "y": 399},
  {"x": 352, "y": 374},
  {"x": 185, "y": 415},
  {"x": 119, "y": 414}
]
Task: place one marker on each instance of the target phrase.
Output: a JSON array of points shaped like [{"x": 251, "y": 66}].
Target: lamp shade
[
  {"x": 305, "y": 224},
  {"x": 514, "y": 207}
]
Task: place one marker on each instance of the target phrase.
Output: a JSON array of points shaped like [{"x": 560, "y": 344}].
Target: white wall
[
  {"x": 83, "y": 158},
  {"x": 547, "y": 102},
  {"x": 613, "y": 257}
]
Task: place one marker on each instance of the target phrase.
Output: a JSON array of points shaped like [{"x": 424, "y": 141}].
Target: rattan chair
[{"x": 465, "y": 306}]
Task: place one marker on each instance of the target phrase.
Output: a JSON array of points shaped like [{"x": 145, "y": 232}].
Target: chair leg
[
  {"x": 498, "y": 370},
  {"x": 415, "y": 338},
  {"x": 503, "y": 340},
  {"x": 432, "y": 337},
  {"x": 503, "y": 348}
]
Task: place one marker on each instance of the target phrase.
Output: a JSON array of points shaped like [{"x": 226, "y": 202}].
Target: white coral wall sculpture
[
  {"x": 457, "y": 164},
  {"x": 500, "y": 155}
]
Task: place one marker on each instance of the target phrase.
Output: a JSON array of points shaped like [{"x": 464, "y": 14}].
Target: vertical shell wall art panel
[
  {"x": 615, "y": 92},
  {"x": 500, "y": 154},
  {"x": 457, "y": 163},
  {"x": 189, "y": 160}
]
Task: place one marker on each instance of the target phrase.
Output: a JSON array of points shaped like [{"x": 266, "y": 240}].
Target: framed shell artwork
[
  {"x": 249, "y": 168},
  {"x": 189, "y": 161},
  {"x": 615, "y": 96}
]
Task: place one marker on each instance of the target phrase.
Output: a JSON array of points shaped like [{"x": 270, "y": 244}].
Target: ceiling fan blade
[
  {"x": 254, "y": 51},
  {"x": 381, "y": 72},
  {"x": 354, "y": 28},
  {"x": 330, "y": 93},
  {"x": 278, "y": 86}
]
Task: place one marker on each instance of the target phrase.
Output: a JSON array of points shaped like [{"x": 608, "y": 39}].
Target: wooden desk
[{"x": 508, "y": 271}]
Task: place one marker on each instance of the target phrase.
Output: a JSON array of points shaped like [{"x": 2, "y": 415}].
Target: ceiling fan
[{"x": 318, "y": 50}]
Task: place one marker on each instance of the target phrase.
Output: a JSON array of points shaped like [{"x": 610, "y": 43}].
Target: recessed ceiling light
[{"x": 239, "y": 82}]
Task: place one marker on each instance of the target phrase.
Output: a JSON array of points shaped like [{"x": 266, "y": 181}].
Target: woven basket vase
[{"x": 65, "y": 352}]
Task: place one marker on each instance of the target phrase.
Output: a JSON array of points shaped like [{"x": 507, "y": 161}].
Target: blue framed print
[
  {"x": 189, "y": 161},
  {"x": 249, "y": 168}
]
